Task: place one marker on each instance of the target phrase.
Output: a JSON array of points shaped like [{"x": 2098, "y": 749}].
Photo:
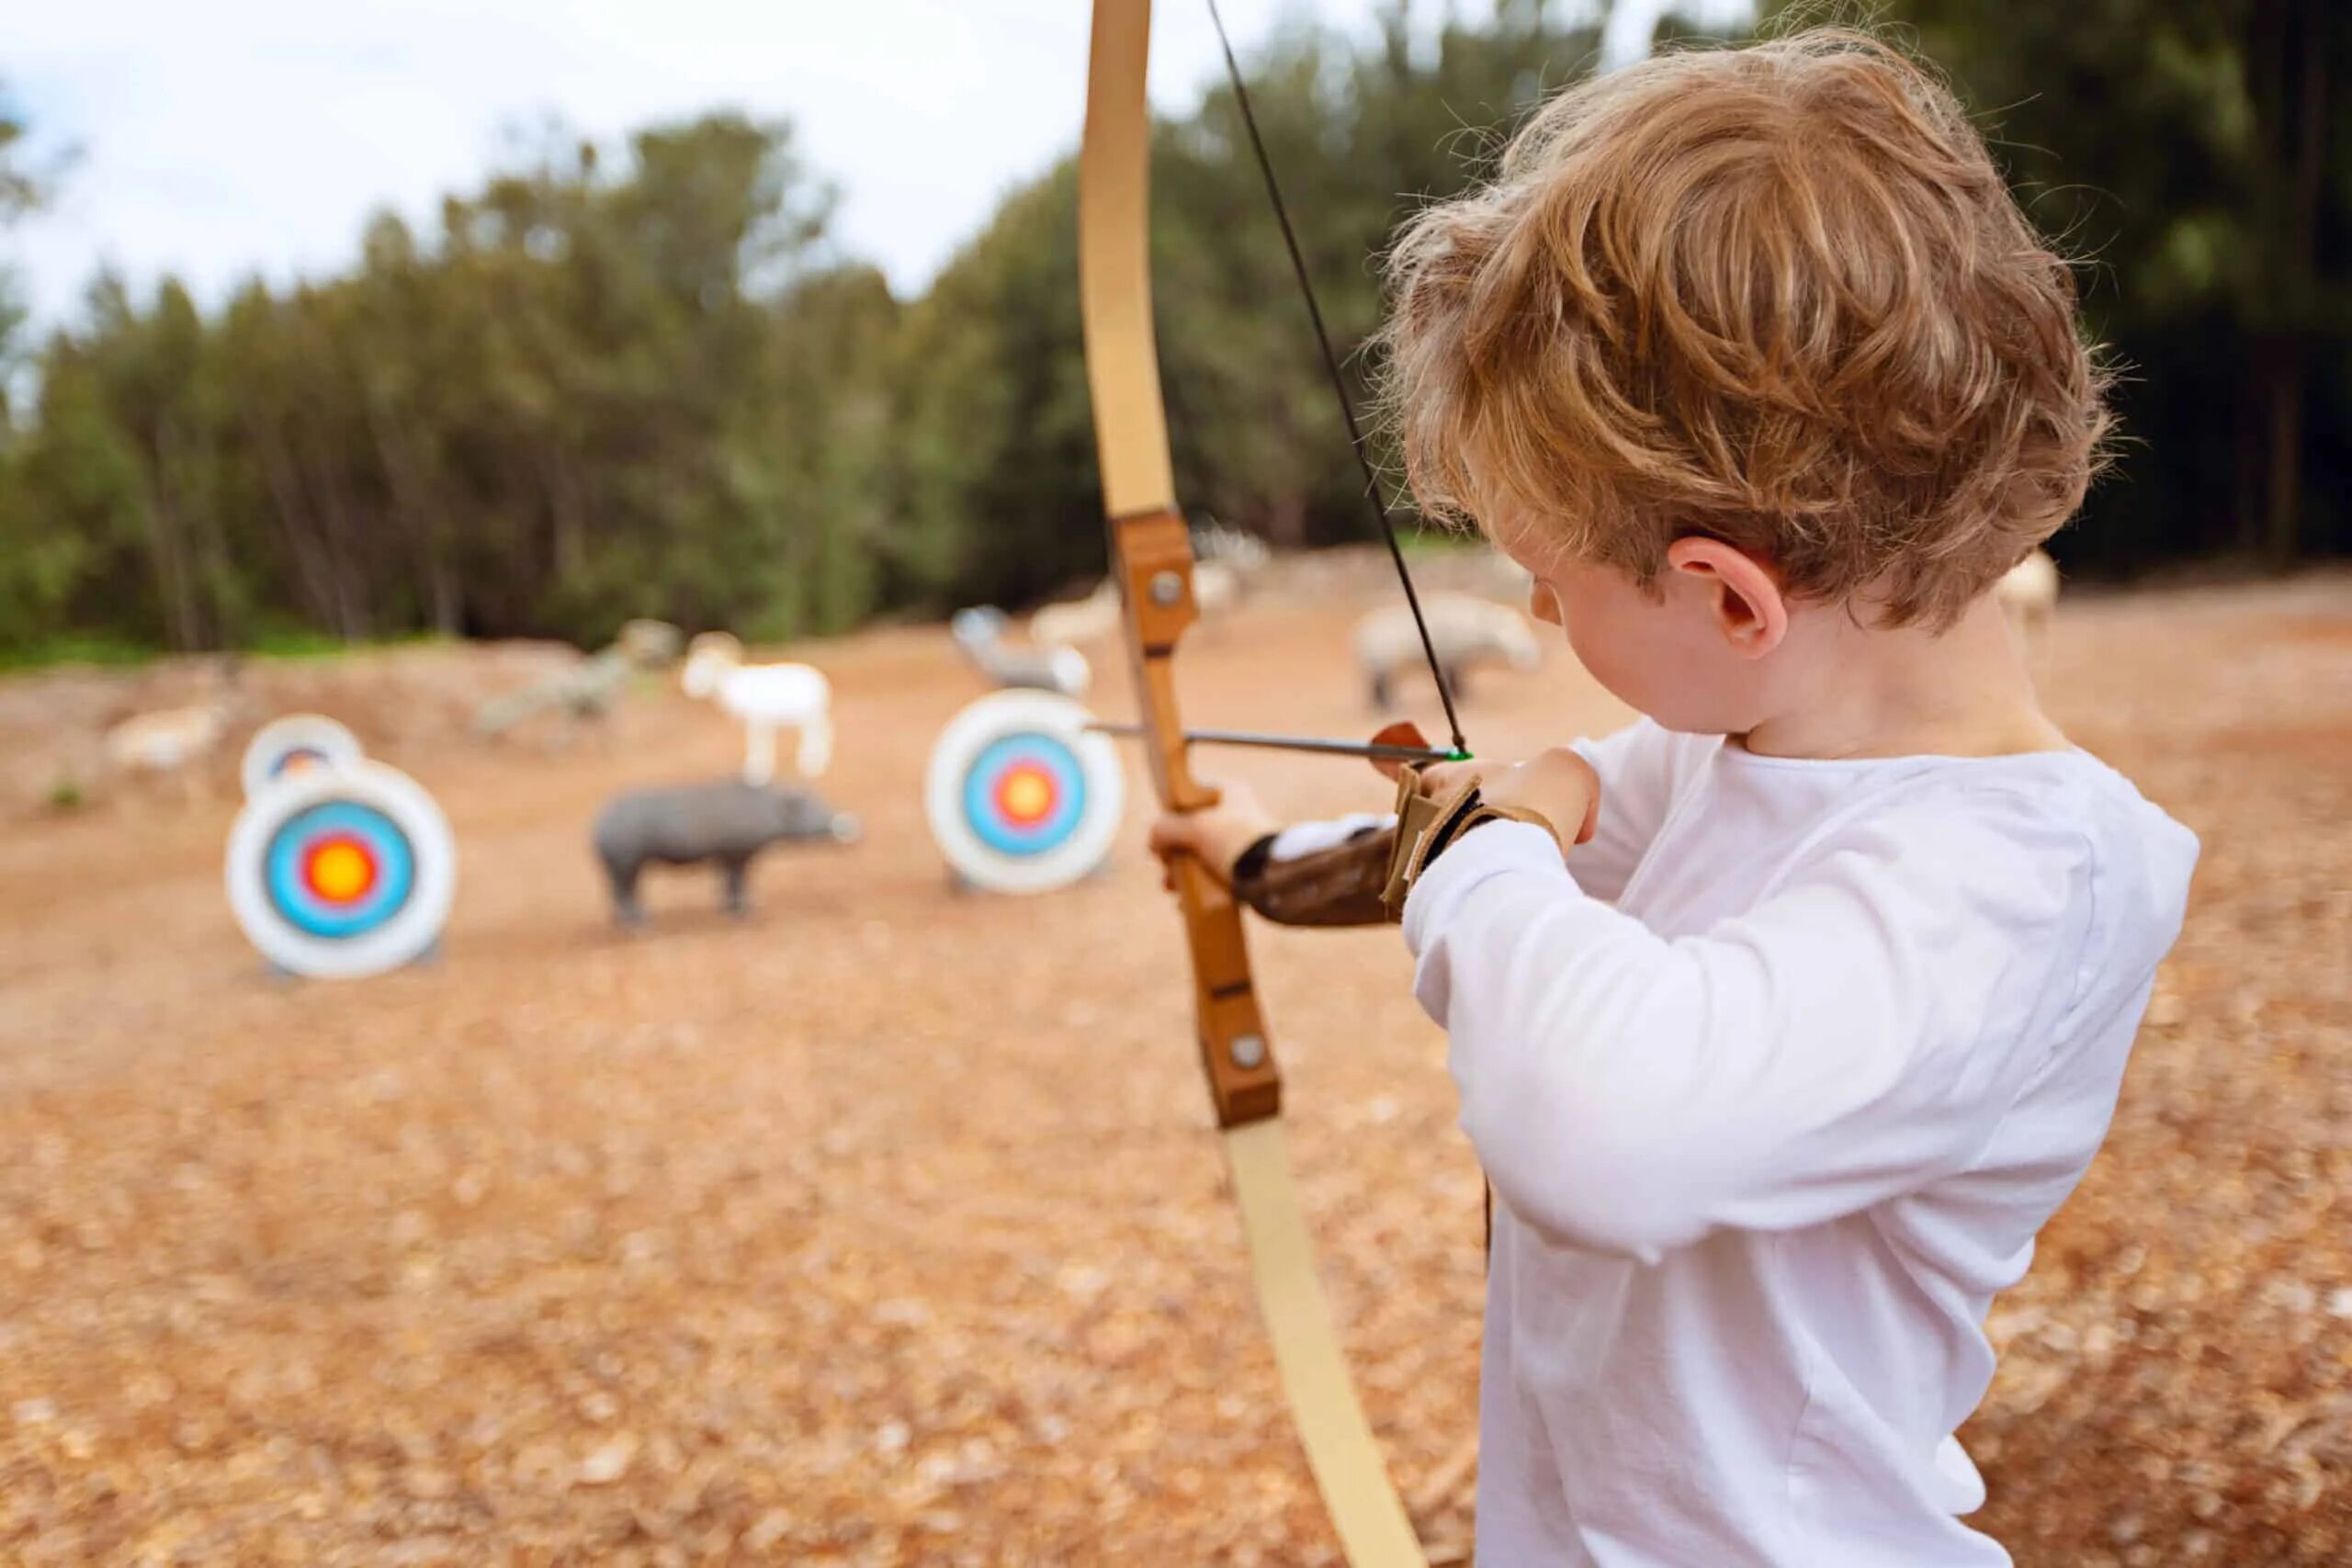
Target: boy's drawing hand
[
  {"x": 1556, "y": 784},
  {"x": 1214, "y": 836}
]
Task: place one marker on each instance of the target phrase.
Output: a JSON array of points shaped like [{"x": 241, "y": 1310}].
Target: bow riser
[
  {"x": 1153, "y": 556},
  {"x": 1151, "y": 551}
]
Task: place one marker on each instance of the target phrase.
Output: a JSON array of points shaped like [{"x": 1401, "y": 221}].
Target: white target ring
[
  {"x": 1022, "y": 797},
  {"x": 335, "y": 873},
  {"x": 285, "y": 745}
]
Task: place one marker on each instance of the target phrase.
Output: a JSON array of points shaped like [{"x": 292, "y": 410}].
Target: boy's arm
[
  {"x": 1310, "y": 873},
  {"x": 1856, "y": 1037},
  {"x": 1333, "y": 873}
]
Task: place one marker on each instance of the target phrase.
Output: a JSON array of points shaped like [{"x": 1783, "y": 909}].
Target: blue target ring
[
  {"x": 339, "y": 869},
  {"x": 1025, "y": 794}
]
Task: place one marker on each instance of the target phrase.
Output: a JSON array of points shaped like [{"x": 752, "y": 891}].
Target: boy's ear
[{"x": 1743, "y": 593}]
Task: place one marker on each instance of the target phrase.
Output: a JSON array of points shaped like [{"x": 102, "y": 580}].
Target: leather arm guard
[
  {"x": 1365, "y": 880},
  {"x": 1337, "y": 886}
]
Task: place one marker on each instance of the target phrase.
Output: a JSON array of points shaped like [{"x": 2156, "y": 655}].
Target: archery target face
[
  {"x": 285, "y": 745},
  {"x": 1022, "y": 797},
  {"x": 342, "y": 871}
]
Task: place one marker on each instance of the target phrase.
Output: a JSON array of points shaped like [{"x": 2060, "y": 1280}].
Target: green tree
[{"x": 614, "y": 381}]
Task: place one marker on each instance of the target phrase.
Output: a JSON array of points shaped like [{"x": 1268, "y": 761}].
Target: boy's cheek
[
  {"x": 1644, "y": 664},
  {"x": 1657, "y": 656}
]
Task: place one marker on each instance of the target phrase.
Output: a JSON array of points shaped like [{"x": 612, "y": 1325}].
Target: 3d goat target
[
  {"x": 340, "y": 871},
  {"x": 285, "y": 745},
  {"x": 1022, "y": 797}
]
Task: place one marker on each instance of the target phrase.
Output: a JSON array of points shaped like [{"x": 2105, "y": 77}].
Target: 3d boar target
[
  {"x": 1022, "y": 797},
  {"x": 340, "y": 871}
]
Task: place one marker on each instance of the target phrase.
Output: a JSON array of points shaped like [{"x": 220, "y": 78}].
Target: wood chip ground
[{"x": 887, "y": 1227}]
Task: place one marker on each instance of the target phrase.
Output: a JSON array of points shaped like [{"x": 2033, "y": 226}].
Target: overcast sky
[{"x": 217, "y": 139}]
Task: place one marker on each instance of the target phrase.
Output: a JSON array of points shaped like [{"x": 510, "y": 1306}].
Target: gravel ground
[{"x": 887, "y": 1227}]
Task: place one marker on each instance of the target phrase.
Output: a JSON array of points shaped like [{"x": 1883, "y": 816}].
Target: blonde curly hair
[{"x": 1776, "y": 295}]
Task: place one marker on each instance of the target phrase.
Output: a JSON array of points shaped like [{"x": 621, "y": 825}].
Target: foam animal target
[
  {"x": 340, "y": 871},
  {"x": 299, "y": 740},
  {"x": 1022, "y": 797}
]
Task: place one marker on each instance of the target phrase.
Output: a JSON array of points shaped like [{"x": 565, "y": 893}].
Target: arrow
[{"x": 1379, "y": 750}]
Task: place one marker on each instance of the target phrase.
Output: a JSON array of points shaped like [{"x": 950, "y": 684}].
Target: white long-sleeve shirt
[{"x": 1776, "y": 1080}]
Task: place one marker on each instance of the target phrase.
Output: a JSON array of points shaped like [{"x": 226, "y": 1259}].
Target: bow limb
[{"x": 1151, "y": 556}]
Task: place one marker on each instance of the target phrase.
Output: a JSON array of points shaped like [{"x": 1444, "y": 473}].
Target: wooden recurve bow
[{"x": 1151, "y": 559}]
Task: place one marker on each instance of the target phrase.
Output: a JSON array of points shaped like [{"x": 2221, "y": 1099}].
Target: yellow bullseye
[
  {"x": 341, "y": 872},
  {"x": 1027, "y": 796}
]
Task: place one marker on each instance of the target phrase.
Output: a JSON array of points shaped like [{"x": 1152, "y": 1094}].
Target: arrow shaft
[{"x": 1379, "y": 750}]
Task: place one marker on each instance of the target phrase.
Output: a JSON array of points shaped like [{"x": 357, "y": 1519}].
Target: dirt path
[{"x": 887, "y": 1227}]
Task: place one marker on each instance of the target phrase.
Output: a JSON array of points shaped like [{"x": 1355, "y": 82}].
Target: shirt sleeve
[
  {"x": 1301, "y": 840},
  {"x": 1636, "y": 768},
  {"x": 1857, "y": 1034}
]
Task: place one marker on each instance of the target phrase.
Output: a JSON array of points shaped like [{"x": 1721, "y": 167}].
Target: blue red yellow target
[
  {"x": 341, "y": 870},
  {"x": 1021, "y": 795},
  {"x": 1025, "y": 793},
  {"x": 285, "y": 745}
]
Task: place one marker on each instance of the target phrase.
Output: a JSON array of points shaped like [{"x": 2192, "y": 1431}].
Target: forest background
[{"x": 644, "y": 380}]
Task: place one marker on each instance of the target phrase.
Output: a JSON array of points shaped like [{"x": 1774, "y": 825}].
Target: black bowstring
[
  {"x": 1372, "y": 491},
  {"x": 1355, "y": 438}
]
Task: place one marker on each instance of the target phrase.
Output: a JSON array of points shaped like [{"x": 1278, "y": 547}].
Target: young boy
[{"x": 1783, "y": 1019}]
